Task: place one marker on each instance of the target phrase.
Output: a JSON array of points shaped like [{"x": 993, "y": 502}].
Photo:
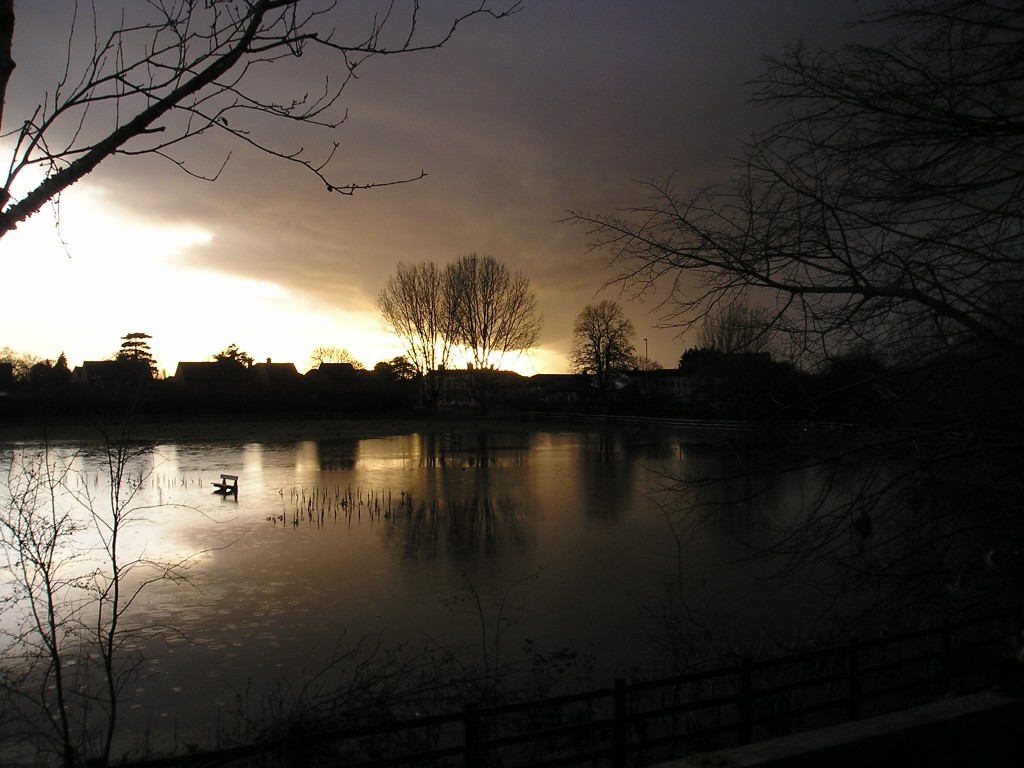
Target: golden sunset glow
[{"x": 514, "y": 123}]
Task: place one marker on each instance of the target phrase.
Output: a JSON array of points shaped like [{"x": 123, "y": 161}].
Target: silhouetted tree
[
  {"x": 695, "y": 358},
  {"x": 737, "y": 327},
  {"x": 475, "y": 303},
  {"x": 881, "y": 210},
  {"x": 416, "y": 306},
  {"x": 173, "y": 72},
  {"x": 232, "y": 355},
  {"x": 41, "y": 373},
  {"x": 327, "y": 354},
  {"x": 494, "y": 310},
  {"x": 397, "y": 368},
  {"x": 642, "y": 363},
  {"x": 69, "y": 618},
  {"x": 135, "y": 350},
  {"x": 61, "y": 373},
  {"x": 852, "y": 387},
  {"x": 21, "y": 363},
  {"x": 602, "y": 342}
]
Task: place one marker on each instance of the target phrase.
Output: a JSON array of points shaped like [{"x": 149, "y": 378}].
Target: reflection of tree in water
[
  {"x": 459, "y": 529},
  {"x": 610, "y": 445},
  {"x": 881, "y": 536},
  {"x": 456, "y": 528},
  {"x": 338, "y": 453},
  {"x": 606, "y": 445},
  {"x": 739, "y": 489},
  {"x": 610, "y": 466},
  {"x": 474, "y": 449}
]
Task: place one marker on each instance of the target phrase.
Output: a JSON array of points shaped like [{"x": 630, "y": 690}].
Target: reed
[{"x": 318, "y": 505}]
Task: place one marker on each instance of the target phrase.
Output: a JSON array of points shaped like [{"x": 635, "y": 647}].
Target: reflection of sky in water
[{"x": 273, "y": 591}]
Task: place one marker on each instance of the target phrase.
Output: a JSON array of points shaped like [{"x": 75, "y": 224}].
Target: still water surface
[{"x": 331, "y": 540}]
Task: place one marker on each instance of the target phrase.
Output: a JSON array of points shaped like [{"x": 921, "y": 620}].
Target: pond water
[{"x": 425, "y": 537}]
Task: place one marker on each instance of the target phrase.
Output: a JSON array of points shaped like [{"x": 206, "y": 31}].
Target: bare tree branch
[
  {"x": 879, "y": 221},
  {"x": 602, "y": 342},
  {"x": 170, "y": 72}
]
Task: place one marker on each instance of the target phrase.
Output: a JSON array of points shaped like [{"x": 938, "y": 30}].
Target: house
[
  {"x": 111, "y": 373},
  {"x": 6, "y": 377},
  {"x": 333, "y": 375},
  {"x": 664, "y": 384},
  {"x": 476, "y": 386},
  {"x": 559, "y": 388},
  {"x": 205, "y": 375},
  {"x": 275, "y": 375},
  {"x": 735, "y": 385}
]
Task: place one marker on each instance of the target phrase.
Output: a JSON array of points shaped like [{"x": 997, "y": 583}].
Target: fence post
[
  {"x": 746, "y": 701},
  {"x": 619, "y": 726},
  {"x": 853, "y": 679},
  {"x": 471, "y": 726}
]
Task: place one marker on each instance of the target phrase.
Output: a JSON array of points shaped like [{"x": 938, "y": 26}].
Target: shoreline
[{"x": 265, "y": 427}]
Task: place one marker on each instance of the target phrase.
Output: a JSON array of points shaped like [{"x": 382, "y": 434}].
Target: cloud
[{"x": 560, "y": 107}]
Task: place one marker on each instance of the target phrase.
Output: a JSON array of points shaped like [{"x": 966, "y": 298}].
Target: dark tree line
[{"x": 225, "y": 385}]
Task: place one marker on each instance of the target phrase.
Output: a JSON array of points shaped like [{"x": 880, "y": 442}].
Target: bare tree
[
  {"x": 35, "y": 534},
  {"x": 737, "y": 327},
  {"x": 158, "y": 75},
  {"x": 602, "y": 342},
  {"x": 881, "y": 211},
  {"x": 884, "y": 208},
  {"x": 475, "y": 303},
  {"x": 416, "y": 307},
  {"x": 328, "y": 354},
  {"x": 70, "y": 584},
  {"x": 494, "y": 310},
  {"x": 646, "y": 364},
  {"x": 21, "y": 363}
]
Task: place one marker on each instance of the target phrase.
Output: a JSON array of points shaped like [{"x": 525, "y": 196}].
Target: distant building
[
  {"x": 275, "y": 375},
  {"x": 559, "y": 388},
  {"x": 475, "y": 386},
  {"x": 107, "y": 374},
  {"x": 331, "y": 375},
  {"x": 206, "y": 375},
  {"x": 664, "y": 384}
]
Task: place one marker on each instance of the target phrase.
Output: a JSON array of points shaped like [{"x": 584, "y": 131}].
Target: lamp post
[{"x": 647, "y": 366}]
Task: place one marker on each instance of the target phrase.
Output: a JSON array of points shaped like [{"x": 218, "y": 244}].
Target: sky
[{"x": 567, "y": 105}]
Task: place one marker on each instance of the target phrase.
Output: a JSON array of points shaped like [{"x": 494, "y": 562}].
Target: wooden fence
[{"x": 638, "y": 723}]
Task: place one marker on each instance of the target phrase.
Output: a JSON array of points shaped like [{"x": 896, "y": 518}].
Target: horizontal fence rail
[{"x": 637, "y": 723}]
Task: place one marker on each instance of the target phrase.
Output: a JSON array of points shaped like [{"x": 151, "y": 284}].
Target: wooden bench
[{"x": 228, "y": 485}]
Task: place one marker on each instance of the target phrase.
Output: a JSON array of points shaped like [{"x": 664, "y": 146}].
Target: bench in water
[{"x": 228, "y": 485}]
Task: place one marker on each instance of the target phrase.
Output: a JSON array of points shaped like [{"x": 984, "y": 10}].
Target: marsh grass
[{"x": 318, "y": 505}]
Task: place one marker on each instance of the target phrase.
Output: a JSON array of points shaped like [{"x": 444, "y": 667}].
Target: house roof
[
  {"x": 209, "y": 374},
  {"x": 336, "y": 373},
  {"x": 275, "y": 373},
  {"x": 110, "y": 371}
]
